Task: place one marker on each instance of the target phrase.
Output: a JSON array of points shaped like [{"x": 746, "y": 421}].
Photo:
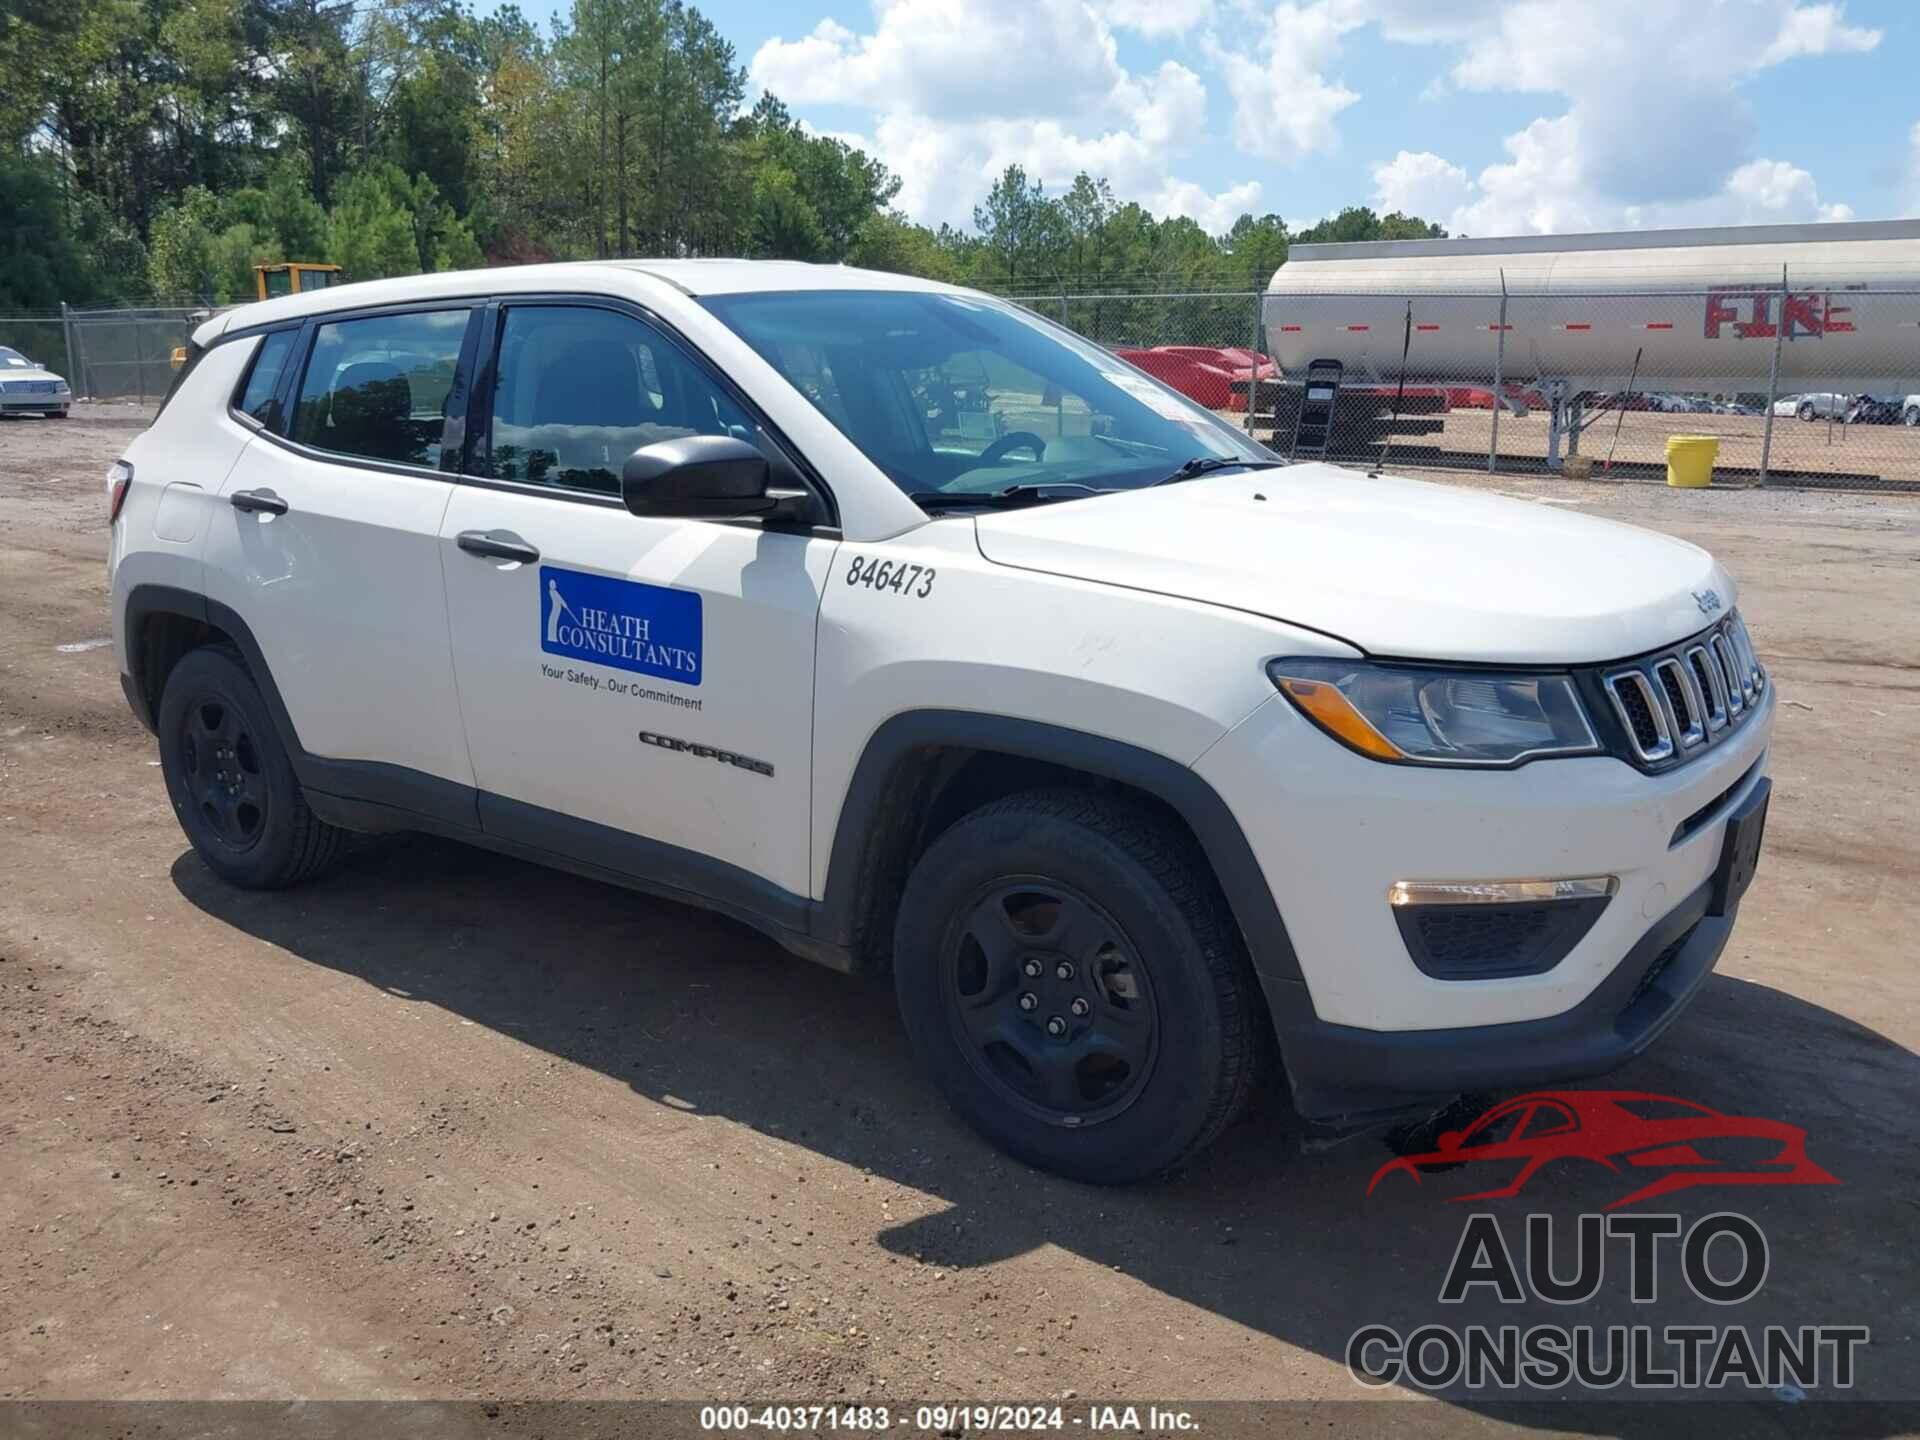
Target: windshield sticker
[
  {"x": 649, "y": 629},
  {"x": 1152, "y": 396}
]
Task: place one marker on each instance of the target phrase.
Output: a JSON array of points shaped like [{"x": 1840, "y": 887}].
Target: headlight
[{"x": 1418, "y": 716}]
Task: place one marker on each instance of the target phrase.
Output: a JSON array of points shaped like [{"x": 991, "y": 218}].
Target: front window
[
  {"x": 579, "y": 389},
  {"x": 954, "y": 395},
  {"x": 14, "y": 360}
]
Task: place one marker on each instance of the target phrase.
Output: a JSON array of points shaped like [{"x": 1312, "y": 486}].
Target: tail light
[{"x": 119, "y": 477}]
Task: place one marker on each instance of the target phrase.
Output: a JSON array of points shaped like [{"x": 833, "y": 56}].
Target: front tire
[
  {"x": 1072, "y": 982},
  {"x": 230, "y": 780},
  {"x": 1911, "y": 417},
  {"x": 1806, "y": 412}
]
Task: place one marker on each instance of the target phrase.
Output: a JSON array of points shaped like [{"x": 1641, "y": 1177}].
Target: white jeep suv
[{"x": 926, "y": 636}]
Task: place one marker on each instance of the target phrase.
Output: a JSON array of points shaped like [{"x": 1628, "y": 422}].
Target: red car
[
  {"x": 1203, "y": 372},
  {"x": 1624, "y": 1131},
  {"x": 1473, "y": 397}
]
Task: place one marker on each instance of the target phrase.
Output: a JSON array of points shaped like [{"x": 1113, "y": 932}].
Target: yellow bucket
[{"x": 1690, "y": 460}]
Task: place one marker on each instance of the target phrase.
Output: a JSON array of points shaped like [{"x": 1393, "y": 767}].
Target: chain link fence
[
  {"x": 1816, "y": 388},
  {"x": 123, "y": 354}
]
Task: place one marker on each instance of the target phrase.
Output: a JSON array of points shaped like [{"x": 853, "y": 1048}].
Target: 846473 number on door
[{"x": 893, "y": 575}]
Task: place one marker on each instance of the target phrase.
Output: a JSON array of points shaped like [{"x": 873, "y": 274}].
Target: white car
[
  {"x": 1825, "y": 404},
  {"x": 926, "y": 636},
  {"x": 29, "y": 388}
]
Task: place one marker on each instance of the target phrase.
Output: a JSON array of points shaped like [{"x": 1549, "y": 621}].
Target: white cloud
[
  {"x": 1537, "y": 191},
  {"x": 960, "y": 89},
  {"x": 1284, "y": 106},
  {"x": 1155, "y": 18},
  {"x": 1214, "y": 214},
  {"x": 1767, "y": 190},
  {"x": 1817, "y": 30},
  {"x": 1644, "y": 116},
  {"x": 957, "y": 59},
  {"x": 1420, "y": 183},
  {"x": 1655, "y": 129}
]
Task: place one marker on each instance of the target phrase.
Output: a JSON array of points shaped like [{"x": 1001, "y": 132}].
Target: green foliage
[
  {"x": 892, "y": 242},
  {"x": 168, "y": 146},
  {"x": 181, "y": 252},
  {"x": 1357, "y": 222},
  {"x": 56, "y": 244},
  {"x": 374, "y": 231}
]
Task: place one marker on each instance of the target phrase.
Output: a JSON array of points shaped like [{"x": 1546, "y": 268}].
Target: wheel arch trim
[
  {"x": 889, "y": 754},
  {"x": 445, "y": 801}
]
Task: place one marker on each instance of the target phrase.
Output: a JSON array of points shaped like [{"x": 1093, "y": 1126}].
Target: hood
[
  {"x": 26, "y": 372},
  {"x": 1395, "y": 567}
]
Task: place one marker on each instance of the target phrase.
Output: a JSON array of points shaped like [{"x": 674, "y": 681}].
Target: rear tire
[
  {"x": 231, "y": 781},
  {"x": 1072, "y": 982},
  {"x": 1911, "y": 417}
]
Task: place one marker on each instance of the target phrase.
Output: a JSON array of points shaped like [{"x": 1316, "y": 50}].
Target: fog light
[{"x": 1495, "y": 929}]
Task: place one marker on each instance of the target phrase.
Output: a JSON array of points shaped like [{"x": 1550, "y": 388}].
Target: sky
[{"x": 1493, "y": 117}]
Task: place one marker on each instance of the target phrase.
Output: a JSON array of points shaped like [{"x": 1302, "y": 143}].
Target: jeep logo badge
[{"x": 1707, "y": 600}]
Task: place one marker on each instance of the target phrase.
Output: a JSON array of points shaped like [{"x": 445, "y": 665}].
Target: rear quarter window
[{"x": 258, "y": 399}]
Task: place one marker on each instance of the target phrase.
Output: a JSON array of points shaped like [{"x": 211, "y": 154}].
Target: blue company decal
[{"x": 649, "y": 629}]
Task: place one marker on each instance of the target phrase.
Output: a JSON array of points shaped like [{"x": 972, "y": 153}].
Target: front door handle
[
  {"x": 497, "y": 545},
  {"x": 261, "y": 502}
]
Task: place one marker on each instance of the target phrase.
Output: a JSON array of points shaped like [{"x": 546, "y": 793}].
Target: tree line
[{"x": 159, "y": 149}]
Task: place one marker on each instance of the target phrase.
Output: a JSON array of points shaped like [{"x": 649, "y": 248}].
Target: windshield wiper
[
  {"x": 1206, "y": 464},
  {"x": 1011, "y": 495}
]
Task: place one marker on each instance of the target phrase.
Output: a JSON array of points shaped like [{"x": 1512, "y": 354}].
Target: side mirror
[
  {"x": 1449, "y": 1141},
  {"x": 712, "y": 477}
]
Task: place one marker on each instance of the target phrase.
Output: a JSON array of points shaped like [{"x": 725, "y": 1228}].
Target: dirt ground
[
  {"x": 446, "y": 1124},
  {"x": 1861, "y": 457}
]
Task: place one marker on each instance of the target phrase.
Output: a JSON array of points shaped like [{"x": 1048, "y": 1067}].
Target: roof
[
  {"x": 689, "y": 277},
  {"x": 732, "y": 277}
]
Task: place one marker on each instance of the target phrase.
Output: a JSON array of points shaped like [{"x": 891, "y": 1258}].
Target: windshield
[
  {"x": 14, "y": 358},
  {"x": 956, "y": 395}
]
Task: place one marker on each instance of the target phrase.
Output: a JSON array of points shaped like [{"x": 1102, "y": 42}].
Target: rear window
[
  {"x": 377, "y": 388},
  {"x": 259, "y": 396}
]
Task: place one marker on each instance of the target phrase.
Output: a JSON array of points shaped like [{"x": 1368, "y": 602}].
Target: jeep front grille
[{"x": 1680, "y": 702}]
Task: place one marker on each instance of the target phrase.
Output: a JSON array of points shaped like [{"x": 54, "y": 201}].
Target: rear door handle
[
  {"x": 497, "y": 545},
  {"x": 263, "y": 502}
]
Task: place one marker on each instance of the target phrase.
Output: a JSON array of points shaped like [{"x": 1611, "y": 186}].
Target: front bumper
[
  {"x": 1343, "y": 1070},
  {"x": 35, "y": 404},
  {"x": 1360, "y": 1025}
]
